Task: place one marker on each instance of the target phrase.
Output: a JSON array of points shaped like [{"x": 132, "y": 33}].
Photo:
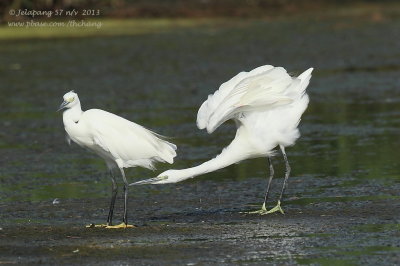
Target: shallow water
[{"x": 342, "y": 201}]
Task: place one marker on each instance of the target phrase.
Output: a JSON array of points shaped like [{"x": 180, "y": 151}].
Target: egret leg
[
  {"x": 263, "y": 209},
  {"x": 287, "y": 173},
  {"x": 125, "y": 218},
  {"x": 124, "y": 223},
  {"x": 113, "y": 197}
]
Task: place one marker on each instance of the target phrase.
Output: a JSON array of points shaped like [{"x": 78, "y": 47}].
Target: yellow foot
[
  {"x": 96, "y": 225},
  {"x": 276, "y": 208},
  {"x": 261, "y": 212},
  {"x": 121, "y": 225}
]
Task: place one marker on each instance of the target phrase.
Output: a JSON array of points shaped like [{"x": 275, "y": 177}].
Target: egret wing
[
  {"x": 262, "y": 88},
  {"x": 128, "y": 141}
]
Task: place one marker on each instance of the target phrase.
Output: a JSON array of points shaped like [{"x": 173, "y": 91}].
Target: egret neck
[
  {"x": 232, "y": 154},
  {"x": 72, "y": 115},
  {"x": 212, "y": 165}
]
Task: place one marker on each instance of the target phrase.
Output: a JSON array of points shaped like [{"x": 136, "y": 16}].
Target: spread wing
[{"x": 262, "y": 88}]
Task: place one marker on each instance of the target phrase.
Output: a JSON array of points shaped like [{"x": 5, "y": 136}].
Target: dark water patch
[
  {"x": 305, "y": 201},
  {"x": 352, "y": 69},
  {"x": 377, "y": 228},
  {"x": 325, "y": 261}
]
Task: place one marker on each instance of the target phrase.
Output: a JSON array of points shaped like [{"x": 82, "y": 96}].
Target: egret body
[
  {"x": 266, "y": 105},
  {"x": 120, "y": 142}
]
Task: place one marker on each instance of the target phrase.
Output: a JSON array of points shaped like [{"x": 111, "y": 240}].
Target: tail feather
[
  {"x": 305, "y": 79},
  {"x": 167, "y": 151}
]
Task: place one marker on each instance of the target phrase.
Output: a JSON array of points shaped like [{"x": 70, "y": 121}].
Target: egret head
[
  {"x": 70, "y": 99},
  {"x": 169, "y": 176},
  {"x": 172, "y": 176}
]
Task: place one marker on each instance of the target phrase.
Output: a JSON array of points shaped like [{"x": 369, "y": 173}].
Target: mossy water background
[{"x": 342, "y": 201}]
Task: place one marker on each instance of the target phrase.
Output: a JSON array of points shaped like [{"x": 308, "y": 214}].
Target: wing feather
[
  {"x": 128, "y": 141},
  {"x": 262, "y": 88}
]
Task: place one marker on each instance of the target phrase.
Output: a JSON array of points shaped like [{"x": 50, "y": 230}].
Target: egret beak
[
  {"x": 150, "y": 181},
  {"x": 63, "y": 105}
]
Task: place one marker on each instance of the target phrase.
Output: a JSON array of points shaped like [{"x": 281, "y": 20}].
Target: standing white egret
[
  {"x": 120, "y": 142},
  {"x": 266, "y": 105}
]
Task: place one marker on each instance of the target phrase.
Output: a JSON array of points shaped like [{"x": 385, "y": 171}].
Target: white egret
[
  {"x": 266, "y": 105},
  {"x": 120, "y": 142}
]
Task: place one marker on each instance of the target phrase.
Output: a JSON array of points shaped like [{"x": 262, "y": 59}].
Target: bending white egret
[
  {"x": 120, "y": 142},
  {"x": 266, "y": 105}
]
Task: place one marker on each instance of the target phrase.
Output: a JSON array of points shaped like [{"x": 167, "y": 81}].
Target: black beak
[{"x": 63, "y": 105}]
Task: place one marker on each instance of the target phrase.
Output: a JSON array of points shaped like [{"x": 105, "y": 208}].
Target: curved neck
[{"x": 72, "y": 115}]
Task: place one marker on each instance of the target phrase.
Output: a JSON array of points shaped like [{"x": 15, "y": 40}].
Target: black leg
[
  {"x": 125, "y": 218},
  {"x": 271, "y": 176},
  {"x": 126, "y": 185},
  {"x": 113, "y": 197},
  {"x": 287, "y": 172}
]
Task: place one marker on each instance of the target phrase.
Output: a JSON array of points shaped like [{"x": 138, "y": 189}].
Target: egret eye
[{"x": 71, "y": 99}]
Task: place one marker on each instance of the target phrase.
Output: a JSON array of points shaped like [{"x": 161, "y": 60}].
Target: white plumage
[
  {"x": 120, "y": 142},
  {"x": 266, "y": 104}
]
